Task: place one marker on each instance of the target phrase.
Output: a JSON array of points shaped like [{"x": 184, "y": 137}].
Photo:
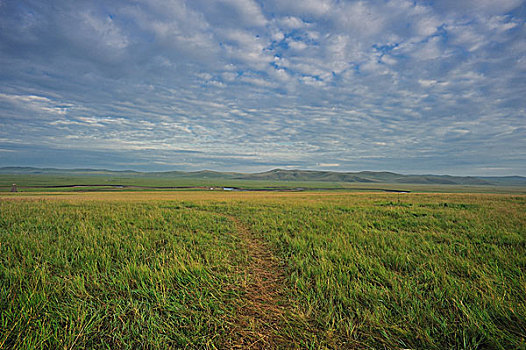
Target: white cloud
[
  {"x": 110, "y": 35},
  {"x": 466, "y": 36},
  {"x": 205, "y": 76},
  {"x": 478, "y": 7},
  {"x": 312, "y": 81},
  {"x": 175, "y": 25},
  {"x": 328, "y": 165},
  {"x": 216, "y": 83},
  {"x": 248, "y": 48},
  {"x": 501, "y": 23},
  {"x": 256, "y": 83},
  {"x": 36, "y": 103},
  {"x": 427, "y": 26},
  {"x": 427, "y": 82},
  {"x": 430, "y": 50},
  {"x": 297, "y": 45},
  {"x": 308, "y": 8},
  {"x": 291, "y": 22},
  {"x": 361, "y": 18},
  {"x": 250, "y": 11},
  {"x": 388, "y": 60},
  {"x": 229, "y": 76}
]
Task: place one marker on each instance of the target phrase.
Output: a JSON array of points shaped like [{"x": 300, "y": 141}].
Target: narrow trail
[{"x": 263, "y": 309}]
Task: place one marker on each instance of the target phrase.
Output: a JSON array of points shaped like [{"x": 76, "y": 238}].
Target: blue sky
[{"x": 246, "y": 85}]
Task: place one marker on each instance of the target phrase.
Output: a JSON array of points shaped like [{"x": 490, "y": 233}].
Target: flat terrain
[
  {"x": 207, "y": 269},
  {"x": 122, "y": 182}
]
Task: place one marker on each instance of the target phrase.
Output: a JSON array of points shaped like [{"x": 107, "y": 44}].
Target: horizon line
[{"x": 258, "y": 172}]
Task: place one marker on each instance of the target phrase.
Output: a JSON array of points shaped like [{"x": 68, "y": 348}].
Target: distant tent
[{"x": 13, "y": 188}]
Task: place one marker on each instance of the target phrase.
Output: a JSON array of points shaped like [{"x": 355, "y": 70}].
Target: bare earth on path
[{"x": 263, "y": 309}]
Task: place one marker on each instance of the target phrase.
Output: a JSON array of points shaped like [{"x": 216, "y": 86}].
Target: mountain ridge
[{"x": 285, "y": 175}]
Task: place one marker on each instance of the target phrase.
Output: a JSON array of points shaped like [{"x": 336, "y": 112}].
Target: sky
[{"x": 414, "y": 87}]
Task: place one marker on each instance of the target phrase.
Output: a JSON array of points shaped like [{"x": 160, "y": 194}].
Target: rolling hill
[{"x": 284, "y": 175}]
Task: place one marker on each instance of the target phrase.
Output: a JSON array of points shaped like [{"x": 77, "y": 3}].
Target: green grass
[
  {"x": 114, "y": 276},
  {"x": 38, "y": 183},
  {"x": 421, "y": 271},
  {"x": 431, "y": 272}
]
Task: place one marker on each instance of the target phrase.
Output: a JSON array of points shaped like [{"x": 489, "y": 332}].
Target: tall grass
[
  {"x": 114, "y": 275},
  {"x": 363, "y": 270},
  {"x": 434, "y": 272}
]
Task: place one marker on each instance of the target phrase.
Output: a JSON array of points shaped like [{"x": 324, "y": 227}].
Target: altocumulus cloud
[{"x": 249, "y": 85}]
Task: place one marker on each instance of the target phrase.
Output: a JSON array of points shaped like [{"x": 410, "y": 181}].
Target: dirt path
[{"x": 262, "y": 312}]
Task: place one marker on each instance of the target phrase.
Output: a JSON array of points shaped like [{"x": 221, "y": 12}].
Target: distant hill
[
  {"x": 506, "y": 180},
  {"x": 286, "y": 175},
  {"x": 55, "y": 171},
  {"x": 365, "y": 177},
  {"x": 304, "y": 175}
]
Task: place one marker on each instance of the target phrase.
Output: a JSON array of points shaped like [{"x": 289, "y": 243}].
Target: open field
[
  {"x": 207, "y": 269},
  {"x": 58, "y": 183}
]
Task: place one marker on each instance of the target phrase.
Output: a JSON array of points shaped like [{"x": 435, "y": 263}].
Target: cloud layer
[{"x": 250, "y": 85}]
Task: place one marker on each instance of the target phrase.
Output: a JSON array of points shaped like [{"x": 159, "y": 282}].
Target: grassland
[
  {"x": 47, "y": 183},
  {"x": 287, "y": 270}
]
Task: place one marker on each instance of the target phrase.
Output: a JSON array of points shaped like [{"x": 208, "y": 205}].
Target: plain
[{"x": 180, "y": 269}]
